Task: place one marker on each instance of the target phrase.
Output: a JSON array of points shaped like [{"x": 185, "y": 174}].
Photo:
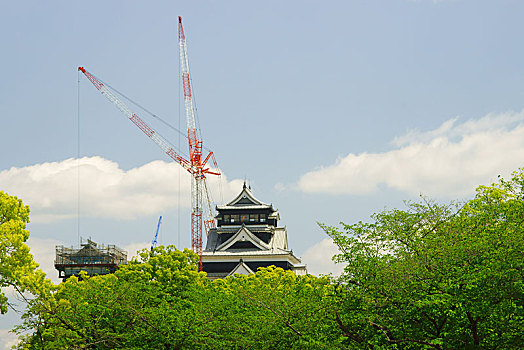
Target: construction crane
[
  {"x": 153, "y": 244},
  {"x": 196, "y": 165}
]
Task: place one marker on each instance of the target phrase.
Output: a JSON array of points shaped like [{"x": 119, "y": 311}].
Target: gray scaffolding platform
[{"x": 93, "y": 258}]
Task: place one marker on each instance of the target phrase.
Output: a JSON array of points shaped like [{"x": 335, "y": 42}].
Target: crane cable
[
  {"x": 179, "y": 169},
  {"x": 78, "y": 160},
  {"x": 151, "y": 113},
  {"x": 173, "y": 128}
]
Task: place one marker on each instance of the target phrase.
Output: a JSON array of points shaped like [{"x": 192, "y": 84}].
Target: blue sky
[{"x": 331, "y": 110}]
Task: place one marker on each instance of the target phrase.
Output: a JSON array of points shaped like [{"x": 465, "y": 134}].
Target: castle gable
[
  {"x": 241, "y": 269},
  {"x": 241, "y": 238}
]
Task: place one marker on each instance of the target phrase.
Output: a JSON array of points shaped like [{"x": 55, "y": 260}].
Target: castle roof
[
  {"x": 277, "y": 244},
  {"x": 245, "y": 200}
]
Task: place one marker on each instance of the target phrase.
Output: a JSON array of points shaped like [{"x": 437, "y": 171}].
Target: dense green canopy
[
  {"x": 438, "y": 276},
  {"x": 429, "y": 276}
]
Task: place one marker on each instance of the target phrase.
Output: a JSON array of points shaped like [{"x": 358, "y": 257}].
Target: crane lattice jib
[
  {"x": 146, "y": 129},
  {"x": 195, "y": 146}
]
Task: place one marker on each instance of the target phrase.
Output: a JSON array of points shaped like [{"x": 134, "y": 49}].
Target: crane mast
[
  {"x": 196, "y": 165},
  {"x": 198, "y": 184},
  {"x": 195, "y": 146}
]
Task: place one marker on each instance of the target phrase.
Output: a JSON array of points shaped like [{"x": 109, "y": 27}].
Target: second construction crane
[{"x": 196, "y": 165}]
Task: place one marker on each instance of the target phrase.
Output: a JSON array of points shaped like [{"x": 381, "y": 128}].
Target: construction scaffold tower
[{"x": 93, "y": 258}]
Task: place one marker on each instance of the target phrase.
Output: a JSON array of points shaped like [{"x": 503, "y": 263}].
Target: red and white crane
[{"x": 196, "y": 165}]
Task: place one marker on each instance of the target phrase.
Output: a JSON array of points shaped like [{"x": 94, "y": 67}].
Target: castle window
[
  {"x": 235, "y": 218},
  {"x": 245, "y": 218},
  {"x": 263, "y": 217},
  {"x": 253, "y": 217}
]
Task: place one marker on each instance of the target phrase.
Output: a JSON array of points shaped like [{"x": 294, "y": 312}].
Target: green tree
[
  {"x": 144, "y": 305},
  {"x": 437, "y": 276},
  {"x": 163, "y": 302},
  {"x": 271, "y": 309},
  {"x": 430, "y": 276},
  {"x": 17, "y": 267}
]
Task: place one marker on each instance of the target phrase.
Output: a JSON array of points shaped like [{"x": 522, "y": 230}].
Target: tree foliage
[
  {"x": 162, "y": 302},
  {"x": 17, "y": 267},
  {"x": 271, "y": 309},
  {"x": 438, "y": 276},
  {"x": 144, "y": 305},
  {"x": 431, "y": 276}
]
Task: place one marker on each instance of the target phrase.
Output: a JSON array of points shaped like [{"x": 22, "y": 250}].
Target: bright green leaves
[
  {"x": 17, "y": 267},
  {"x": 164, "y": 302},
  {"x": 439, "y": 276},
  {"x": 12, "y": 208},
  {"x": 144, "y": 305},
  {"x": 271, "y": 309},
  {"x": 172, "y": 270},
  {"x": 430, "y": 276}
]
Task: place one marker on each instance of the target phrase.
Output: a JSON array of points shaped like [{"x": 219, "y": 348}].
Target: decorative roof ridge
[
  {"x": 284, "y": 250},
  {"x": 255, "y": 227},
  {"x": 250, "y": 253},
  {"x": 245, "y": 207}
]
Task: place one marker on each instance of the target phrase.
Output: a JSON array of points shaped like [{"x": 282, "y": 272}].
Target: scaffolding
[{"x": 93, "y": 258}]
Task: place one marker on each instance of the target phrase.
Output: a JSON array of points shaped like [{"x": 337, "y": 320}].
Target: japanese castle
[{"x": 247, "y": 237}]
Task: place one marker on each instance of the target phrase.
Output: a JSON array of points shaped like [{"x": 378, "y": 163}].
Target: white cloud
[
  {"x": 133, "y": 248},
  {"x": 106, "y": 190},
  {"x": 7, "y": 339},
  {"x": 43, "y": 251},
  {"x": 450, "y": 161},
  {"x": 279, "y": 187},
  {"x": 318, "y": 258}
]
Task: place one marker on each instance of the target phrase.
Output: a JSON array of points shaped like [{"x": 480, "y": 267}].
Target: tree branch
[
  {"x": 346, "y": 331},
  {"x": 474, "y": 330},
  {"x": 391, "y": 339}
]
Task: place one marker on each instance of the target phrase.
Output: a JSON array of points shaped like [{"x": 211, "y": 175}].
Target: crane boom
[
  {"x": 146, "y": 129},
  {"x": 153, "y": 244},
  {"x": 184, "y": 68}
]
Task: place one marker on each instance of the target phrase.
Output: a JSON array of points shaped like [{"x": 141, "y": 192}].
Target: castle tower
[{"x": 247, "y": 237}]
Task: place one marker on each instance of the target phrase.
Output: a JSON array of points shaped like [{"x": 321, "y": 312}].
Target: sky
[{"x": 331, "y": 111}]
